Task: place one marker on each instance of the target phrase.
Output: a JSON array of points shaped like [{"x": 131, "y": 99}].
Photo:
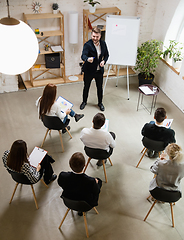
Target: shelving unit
[
  {"x": 43, "y": 36},
  {"x": 99, "y": 14}
]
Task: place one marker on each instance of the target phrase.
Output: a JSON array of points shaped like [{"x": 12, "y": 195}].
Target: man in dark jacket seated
[
  {"x": 156, "y": 131},
  {"x": 77, "y": 185}
]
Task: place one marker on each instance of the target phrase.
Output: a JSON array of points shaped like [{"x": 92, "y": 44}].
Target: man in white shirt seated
[{"x": 95, "y": 137}]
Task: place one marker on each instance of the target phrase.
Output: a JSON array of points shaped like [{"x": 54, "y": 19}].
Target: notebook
[
  {"x": 36, "y": 156},
  {"x": 105, "y": 127},
  {"x": 65, "y": 104}
]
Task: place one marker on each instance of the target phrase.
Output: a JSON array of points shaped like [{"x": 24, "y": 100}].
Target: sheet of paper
[
  {"x": 167, "y": 122},
  {"x": 146, "y": 90},
  {"x": 37, "y": 156},
  {"x": 105, "y": 127},
  {"x": 57, "y": 48},
  {"x": 65, "y": 104}
]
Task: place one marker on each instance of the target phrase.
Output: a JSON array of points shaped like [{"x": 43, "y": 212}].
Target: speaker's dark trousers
[{"x": 98, "y": 76}]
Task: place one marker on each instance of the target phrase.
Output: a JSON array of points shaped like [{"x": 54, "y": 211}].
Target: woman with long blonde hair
[{"x": 169, "y": 169}]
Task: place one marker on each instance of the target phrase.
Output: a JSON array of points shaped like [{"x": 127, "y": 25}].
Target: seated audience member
[
  {"x": 77, "y": 185},
  {"x": 48, "y": 105},
  {"x": 169, "y": 169},
  {"x": 17, "y": 160},
  {"x": 156, "y": 131},
  {"x": 95, "y": 137}
]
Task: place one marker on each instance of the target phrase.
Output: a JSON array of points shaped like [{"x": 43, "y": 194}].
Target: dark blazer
[
  {"x": 89, "y": 50},
  {"x": 156, "y": 133},
  {"x": 80, "y": 187}
]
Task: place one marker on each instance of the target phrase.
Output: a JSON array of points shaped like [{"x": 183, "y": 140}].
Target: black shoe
[
  {"x": 80, "y": 213},
  {"x": 82, "y": 106},
  {"x": 100, "y": 163},
  {"x": 54, "y": 176},
  {"x": 78, "y": 117},
  {"x": 101, "y": 106},
  {"x": 64, "y": 130},
  {"x": 155, "y": 155},
  {"x": 149, "y": 153}
]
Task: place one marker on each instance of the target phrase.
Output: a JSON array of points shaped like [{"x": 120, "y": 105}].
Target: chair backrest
[
  {"x": 19, "y": 177},
  {"x": 153, "y": 145},
  {"x": 96, "y": 153},
  {"x": 53, "y": 122},
  {"x": 166, "y": 195},
  {"x": 80, "y": 206}
]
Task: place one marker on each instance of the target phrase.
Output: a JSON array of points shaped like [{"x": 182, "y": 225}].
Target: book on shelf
[
  {"x": 37, "y": 65},
  {"x": 56, "y": 48}
]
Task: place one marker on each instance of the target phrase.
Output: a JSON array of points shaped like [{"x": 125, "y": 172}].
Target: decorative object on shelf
[
  {"x": 148, "y": 55},
  {"x": 55, "y": 7},
  {"x": 170, "y": 51},
  {"x": 37, "y": 31},
  {"x": 92, "y": 5},
  {"x": 19, "y": 46},
  {"x": 36, "y": 6},
  {"x": 73, "y": 35},
  {"x": 46, "y": 47}
]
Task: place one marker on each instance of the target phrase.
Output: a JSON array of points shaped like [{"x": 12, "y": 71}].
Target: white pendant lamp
[{"x": 18, "y": 46}]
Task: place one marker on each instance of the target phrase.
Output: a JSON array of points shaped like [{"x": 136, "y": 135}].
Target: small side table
[{"x": 154, "y": 97}]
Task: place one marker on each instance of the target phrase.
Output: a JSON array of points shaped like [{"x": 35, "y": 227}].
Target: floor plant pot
[{"x": 144, "y": 80}]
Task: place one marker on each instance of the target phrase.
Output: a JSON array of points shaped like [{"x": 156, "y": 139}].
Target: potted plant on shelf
[
  {"x": 148, "y": 55},
  {"x": 92, "y": 5},
  {"x": 55, "y": 7},
  {"x": 170, "y": 51},
  {"x": 178, "y": 57}
]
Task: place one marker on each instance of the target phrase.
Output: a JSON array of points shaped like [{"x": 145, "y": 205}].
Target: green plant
[
  {"x": 170, "y": 51},
  {"x": 148, "y": 55},
  {"x": 55, "y": 6},
  {"x": 93, "y": 3},
  {"x": 178, "y": 56}
]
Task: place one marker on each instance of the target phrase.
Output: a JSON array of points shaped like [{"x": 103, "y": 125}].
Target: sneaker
[
  {"x": 100, "y": 163},
  {"x": 80, "y": 213},
  {"x": 82, "y": 106},
  {"x": 78, "y": 117},
  {"x": 54, "y": 176},
  {"x": 149, "y": 153},
  {"x": 101, "y": 106},
  {"x": 64, "y": 130},
  {"x": 155, "y": 155}
]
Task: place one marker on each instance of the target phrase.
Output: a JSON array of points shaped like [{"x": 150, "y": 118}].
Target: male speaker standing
[{"x": 94, "y": 55}]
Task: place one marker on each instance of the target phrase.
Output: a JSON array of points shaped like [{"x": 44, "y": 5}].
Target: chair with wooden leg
[
  {"x": 20, "y": 178},
  {"x": 151, "y": 145},
  {"x": 160, "y": 194},
  {"x": 97, "y": 154},
  {"x": 55, "y": 123},
  {"x": 80, "y": 206}
]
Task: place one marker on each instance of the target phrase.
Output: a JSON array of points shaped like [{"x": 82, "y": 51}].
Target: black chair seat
[{"x": 152, "y": 145}]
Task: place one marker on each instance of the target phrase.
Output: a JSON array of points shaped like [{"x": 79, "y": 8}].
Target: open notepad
[
  {"x": 105, "y": 127},
  {"x": 167, "y": 122},
  {"x": 36, "y": 156},
  {"x": 65, "y": 104}
]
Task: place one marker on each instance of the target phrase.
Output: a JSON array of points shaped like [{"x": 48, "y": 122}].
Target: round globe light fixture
[{"x": 18, "y": 46}]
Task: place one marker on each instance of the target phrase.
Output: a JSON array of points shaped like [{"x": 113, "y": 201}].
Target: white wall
[
  {"x": 18, "y": 7},
  {"x": 170, "y": 83}
]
